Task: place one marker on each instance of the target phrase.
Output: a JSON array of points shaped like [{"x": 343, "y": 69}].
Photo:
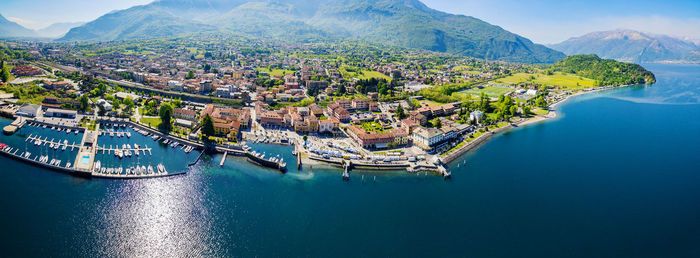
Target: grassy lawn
[
  {"x": 455, "y": 147},
  {"x": 154, "y": 122},
  {"x": 276, "y": 72},
  {"x": 539, "y": 111},
  {"x": 566, "y": 81},
  {"x": 490, "y": 91},
  {"x": 354, "y": 72},
  {"x": 475, "y": 135}
]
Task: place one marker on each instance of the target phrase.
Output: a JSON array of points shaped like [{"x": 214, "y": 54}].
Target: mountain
[
  {"x": 9, "y": 29},
  {"x": 405, "y": 23},
  {"x": 57, "y": 30},
  {"x": 145, "y": 21},
  {"x": 632, "y": 46}
]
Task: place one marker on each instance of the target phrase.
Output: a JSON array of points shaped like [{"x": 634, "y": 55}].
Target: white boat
[
  {"x": 128, "y": 134},
  {"x": 51, "y": 146},
  {"x": 68, "y": 165},
  {"x": 150, "y": 169},
  {"x": 67, "y": 130},
  {"x": 120, "y": 154}
]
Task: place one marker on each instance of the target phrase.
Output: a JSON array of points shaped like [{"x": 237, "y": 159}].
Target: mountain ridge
[
  {"x": 631, "y": 46},
  {"x": 12, "y": 29},
  {"x": 405, "y": 23}
]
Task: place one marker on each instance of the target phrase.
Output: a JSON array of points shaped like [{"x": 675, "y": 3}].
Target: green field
[
  {"x": 276, "y": 72},
  {"x": 490, "y": 91},
  {"x": 466, "y": 69},
  {"x": 353, "y": 72},
  {"x": 153, "y": 121},
  {"x": 566, "y": 81}
]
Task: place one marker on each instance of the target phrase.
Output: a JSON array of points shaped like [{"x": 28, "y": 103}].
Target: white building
[
  {"x": 476, "y": 115},
  {"x": 176, "y": 85}
]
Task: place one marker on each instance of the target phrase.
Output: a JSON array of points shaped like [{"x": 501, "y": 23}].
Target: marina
[
  {"x": 115, "y": 149},
  {"x": 94, "y": 153}
]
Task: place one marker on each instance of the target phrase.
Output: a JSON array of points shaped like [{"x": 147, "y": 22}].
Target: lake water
[{"x": 617, "y": 174}]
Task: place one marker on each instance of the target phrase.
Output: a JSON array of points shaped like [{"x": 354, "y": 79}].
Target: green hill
[{"x": 605, "y": 71}]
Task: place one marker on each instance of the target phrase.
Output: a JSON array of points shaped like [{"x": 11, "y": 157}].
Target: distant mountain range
[
  {"x": 632, "y": 46},
  {"x": 406, "y": 23},
  {"x": 10, "y": 29},
  {"x": 58, "y": 30}
]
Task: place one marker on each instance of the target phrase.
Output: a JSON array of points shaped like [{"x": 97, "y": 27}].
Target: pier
[
  {"x": 221, "y": 164},
  {"x": 346, "y": 170},
  {"x": 58, "y": 143},
  {"x": 15, "y": 125},
  {"x": 111, "y": 150}
]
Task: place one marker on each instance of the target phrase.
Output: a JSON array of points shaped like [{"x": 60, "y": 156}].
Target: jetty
[
  {"x": 116, "y": 149},
  {"x": 57, "y": 143},
  {"x": 15, "y": 125},
  {"x": 221, "y": 164}
]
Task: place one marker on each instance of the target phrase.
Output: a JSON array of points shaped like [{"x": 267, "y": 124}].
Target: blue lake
[{"x": 617, "y": 174}]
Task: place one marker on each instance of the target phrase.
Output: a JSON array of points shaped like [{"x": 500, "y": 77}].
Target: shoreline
[{"x": 552, "y": 114}]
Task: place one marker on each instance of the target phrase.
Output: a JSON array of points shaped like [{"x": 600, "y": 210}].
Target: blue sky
[{"x": 544, "y": 21}]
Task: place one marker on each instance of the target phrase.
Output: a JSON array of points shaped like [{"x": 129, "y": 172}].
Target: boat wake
[{"x": 302, "y": 176}]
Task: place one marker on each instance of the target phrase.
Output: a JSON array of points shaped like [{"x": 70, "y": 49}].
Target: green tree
[
  {"x": 166, "y": 115},
  {"x": 5, "y": 75},
  {"x": 436, "y": 123},
  {"x": 190, "y": 75},
  {"x": 128, "y": 103},
  {"x": 84, "y": 104},
  {"x": 177, "y": 103},
  {"x": 484, "y": 102},
  {"x": 540, "y": 102},
  {"x": 341, "y": 89},
  {"x": 208, "y": 126},
  {"x": 400, "y": 112}
]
